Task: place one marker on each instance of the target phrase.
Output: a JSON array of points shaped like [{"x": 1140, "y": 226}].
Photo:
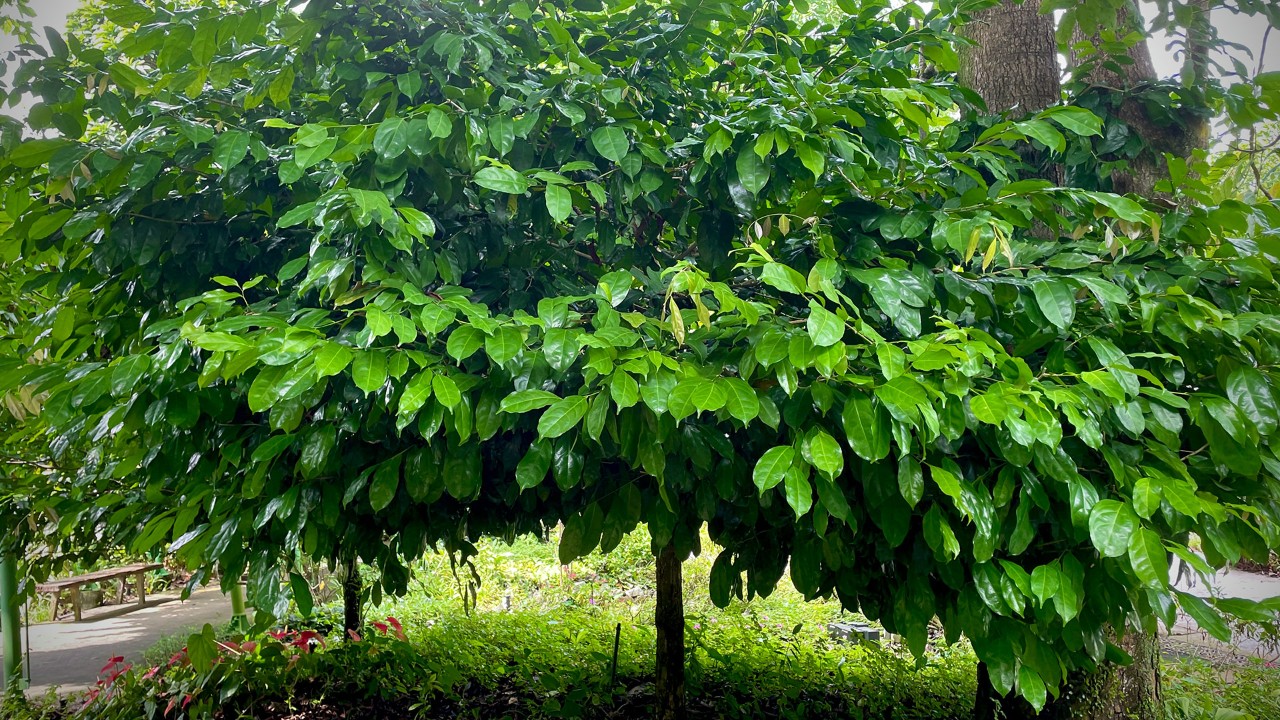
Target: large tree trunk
[
  {"x": 669, "y": 619},
  {"x": 352, "y": 603},
  {"x": 1013, "y": 64},
  {"x": 1014, "y": 67}
]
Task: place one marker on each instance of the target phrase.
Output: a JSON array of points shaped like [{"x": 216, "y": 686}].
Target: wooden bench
[{"x": 138, "y": 572}]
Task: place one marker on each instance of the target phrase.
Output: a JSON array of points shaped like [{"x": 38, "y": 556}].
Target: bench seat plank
[{"x": 96, "y": 576}]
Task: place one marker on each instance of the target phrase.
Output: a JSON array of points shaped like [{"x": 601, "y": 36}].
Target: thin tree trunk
[
  {"x": 352, "y": 604},
  {"x": 669, "y": 619},
  {"x": 1013, "y": 64}
]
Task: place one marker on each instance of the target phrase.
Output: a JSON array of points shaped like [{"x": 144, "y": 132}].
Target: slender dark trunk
[
  {"x": 352, "y": 603},
  {"x": 669, "y": 619}
]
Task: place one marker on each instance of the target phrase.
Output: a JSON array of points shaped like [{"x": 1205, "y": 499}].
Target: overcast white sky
[{"x": 1243, "y": 30}]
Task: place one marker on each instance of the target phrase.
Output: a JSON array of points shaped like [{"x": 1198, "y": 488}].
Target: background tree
[{"x": 387, "y": 276}]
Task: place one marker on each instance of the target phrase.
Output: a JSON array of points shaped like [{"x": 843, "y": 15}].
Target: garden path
[
  {"x": 70, "y": 655},
  {"x": 1228, "y": 584}
]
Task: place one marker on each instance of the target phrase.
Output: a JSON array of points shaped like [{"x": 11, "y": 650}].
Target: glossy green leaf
[
  {"x": 1111, "y": 525},
  {"x": 611, "y": 142},
  {"x": 562, "y": 416},
  {"x": 501, "y": 179},
  {"x": 772, "y": 467}
]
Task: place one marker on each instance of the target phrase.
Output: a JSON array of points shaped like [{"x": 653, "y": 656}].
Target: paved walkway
[
  {"x": 1227, "y": 584},
  {"x": 70, "y": 655}
]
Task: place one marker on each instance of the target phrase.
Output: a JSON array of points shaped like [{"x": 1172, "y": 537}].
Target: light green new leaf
[
  {"x": 1111, "y": 525},
  {"x": 562, "y": 416}
]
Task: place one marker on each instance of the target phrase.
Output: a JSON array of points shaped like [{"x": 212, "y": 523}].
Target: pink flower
[{"x": 697, "y": 626}]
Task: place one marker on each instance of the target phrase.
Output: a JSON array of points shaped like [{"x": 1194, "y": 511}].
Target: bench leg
[
  {"x": 75, "y": 603},
  {"x": 122, "y": 583},
  {"x": 57, "y": 599},
  {"x": 140, "y": 579}
]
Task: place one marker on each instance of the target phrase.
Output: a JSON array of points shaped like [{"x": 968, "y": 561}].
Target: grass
[{"x": 539, "y": 643}]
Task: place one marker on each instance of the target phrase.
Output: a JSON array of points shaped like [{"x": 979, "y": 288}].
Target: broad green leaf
[
  {"x": 446, "y": 390},
  {"x": 752, "y": 172},
  {"x": 1031, "y": 687},
  {"x": 502, "y": 179},
  {"x": 332, "y": 358},
  {"x": 504, "y": 345},
  {"x": 784, "y": 278},
  {"x": 391, "y": 139},
  {"x": 301, "y": 590},
  {"x": 559, "y": 203},
  {"x": 386, "y": 480},
  {"x": 948, "y": 483},
  {"x": 866, "y": 425},
  {"x": 825, "y": 327},
  {"x": 823, "y": 452},
  {"x": 534, "y": 466},
  {"x": 1111, "y": 525},
  {"x": 416, "y": 392},
  {"x": 1250, "y": 391},
  {"x": 611, "y": 142},
  {"x": 439, "y": 123},
  {"x": 562, "y": 416},
  {"x": 772, "y": 467},
  {"x": 742, "y": 402},
  {"x": 369, "y": 370},
  {"x": 991, "y": 407},
  {"x": 1044, "y": 583},
  {"x": 1148, "y": 557},
  {"x": 522, "y": 401},
  {"x": 910, "y": 480},
  {"x": 798, "y": 490},
  {"x": 1207, "y": 618},
  {"x": 1056, "y": 300},
  {"x": 465, "y": 341},
  {"x": 1146, "y": 497},
  {"x": 230, "y": 148}
]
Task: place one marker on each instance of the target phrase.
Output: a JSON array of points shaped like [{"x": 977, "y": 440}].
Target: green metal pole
[
  {"x": 10, "y": 625},
  {"x": 239, "y": 616}
]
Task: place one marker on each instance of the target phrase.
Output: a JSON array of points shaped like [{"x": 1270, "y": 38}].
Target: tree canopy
[{"x": 376, "y": 277}]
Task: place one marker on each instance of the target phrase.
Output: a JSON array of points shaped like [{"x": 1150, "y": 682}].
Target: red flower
[
  {"x": 305, "y": 639},
  {"x": 111, "y": 663},
  {"x": 355, "y": 636}
]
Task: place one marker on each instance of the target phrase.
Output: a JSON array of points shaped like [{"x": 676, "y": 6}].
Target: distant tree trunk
[
  {"x": 1013, "y": 64},
  {"x": 1158, "y": 138},
  {"x": 352, "y": 604},
  {"x": 669, "y": 619}
]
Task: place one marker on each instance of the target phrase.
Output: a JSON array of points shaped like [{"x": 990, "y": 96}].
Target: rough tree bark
[
  {"x": 352, "y": 603},
  {"x": 669, "y": 619},
  {"x": 1013, "y": 63},
  {"x": 1179, "y": 139}
]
